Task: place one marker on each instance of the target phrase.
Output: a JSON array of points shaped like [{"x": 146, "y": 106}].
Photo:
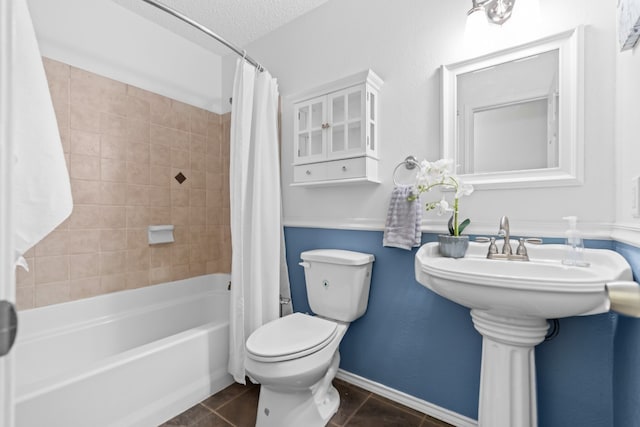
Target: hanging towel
[
  {"x": 41, "y": 189},
  {"x": 402, "y": 228}
]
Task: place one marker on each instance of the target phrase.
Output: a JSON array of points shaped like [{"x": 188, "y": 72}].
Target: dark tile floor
[{"x": 236, "y": 406}]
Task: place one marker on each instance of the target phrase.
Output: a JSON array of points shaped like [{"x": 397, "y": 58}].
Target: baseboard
[{"x": 405, "y": 399}]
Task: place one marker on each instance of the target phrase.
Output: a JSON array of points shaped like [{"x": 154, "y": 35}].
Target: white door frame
[{"x": 7, "y": 251}]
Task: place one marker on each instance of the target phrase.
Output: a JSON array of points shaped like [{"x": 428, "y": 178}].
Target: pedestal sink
[{"x": 510, "y": 303}]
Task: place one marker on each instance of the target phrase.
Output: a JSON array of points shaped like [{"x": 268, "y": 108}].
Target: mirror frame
[{"x": 570, "y": 169}]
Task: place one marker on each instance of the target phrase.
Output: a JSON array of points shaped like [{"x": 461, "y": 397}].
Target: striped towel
[{"x": 402, "y": 228}]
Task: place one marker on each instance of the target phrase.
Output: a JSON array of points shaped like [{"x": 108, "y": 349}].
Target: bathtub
[{"x": 131, "y": 358}]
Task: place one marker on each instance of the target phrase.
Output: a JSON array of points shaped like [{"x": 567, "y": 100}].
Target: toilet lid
[{"x": 290, "y": 337}]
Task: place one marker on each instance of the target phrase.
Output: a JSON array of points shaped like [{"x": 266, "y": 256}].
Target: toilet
[{"x": 296, "y": 357}]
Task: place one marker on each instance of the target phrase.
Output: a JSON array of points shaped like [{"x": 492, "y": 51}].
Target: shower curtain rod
[{"x": 205, "y": 30}]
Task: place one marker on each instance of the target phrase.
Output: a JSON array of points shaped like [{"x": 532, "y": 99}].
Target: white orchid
[
  {"x": 464, "y": 190},
  {"x": 441, "y": 174},
  {"x": 434, "y": 172},
  {"x": 443, "y": 207}
]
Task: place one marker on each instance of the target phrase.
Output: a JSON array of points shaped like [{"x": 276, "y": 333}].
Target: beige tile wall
[{"x": 124, "y": 146}]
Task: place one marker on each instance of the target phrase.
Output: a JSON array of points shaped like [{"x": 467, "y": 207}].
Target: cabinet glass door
[
  {"x": 345, "y": 118},
  {"x": 309, "y": 131}
]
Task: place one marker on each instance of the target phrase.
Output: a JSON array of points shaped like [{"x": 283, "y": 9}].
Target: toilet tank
[{"x": 337, "y": 282}]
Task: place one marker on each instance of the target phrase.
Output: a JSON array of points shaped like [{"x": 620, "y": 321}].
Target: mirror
[{"x": 514, "y": 118}]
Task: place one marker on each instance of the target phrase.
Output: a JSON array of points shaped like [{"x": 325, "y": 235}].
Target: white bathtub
[{"x": 132, "y": 358}]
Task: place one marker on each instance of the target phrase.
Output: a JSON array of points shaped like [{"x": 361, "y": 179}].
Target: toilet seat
[{"x": 290, "y": 337}]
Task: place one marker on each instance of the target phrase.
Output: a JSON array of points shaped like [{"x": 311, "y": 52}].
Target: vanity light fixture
[{"x": 497, "y": 11}]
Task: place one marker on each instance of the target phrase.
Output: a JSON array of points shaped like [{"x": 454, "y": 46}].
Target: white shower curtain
[{"x": 257, "y": 270}]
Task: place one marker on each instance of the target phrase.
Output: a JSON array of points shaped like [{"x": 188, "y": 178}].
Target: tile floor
[{"x": 236, "y": 406}]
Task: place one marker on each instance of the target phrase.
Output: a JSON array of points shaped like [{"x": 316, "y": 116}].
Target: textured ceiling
[{"x": 238, "y": 21}]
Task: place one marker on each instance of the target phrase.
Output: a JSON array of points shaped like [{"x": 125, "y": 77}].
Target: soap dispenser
[{"x": 574, "y": 250}]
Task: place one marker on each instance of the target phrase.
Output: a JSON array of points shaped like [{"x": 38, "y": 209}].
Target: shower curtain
[{"x": 258, "y": 272}]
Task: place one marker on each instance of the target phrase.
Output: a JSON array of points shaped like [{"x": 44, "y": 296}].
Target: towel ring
[{"x": 410, "y": 163}]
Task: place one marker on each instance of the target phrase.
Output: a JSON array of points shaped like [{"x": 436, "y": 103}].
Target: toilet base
[{"x": 312, "y": 407}]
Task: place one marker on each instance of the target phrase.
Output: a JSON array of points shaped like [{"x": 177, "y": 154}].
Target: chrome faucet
[{"x": 504, "y": 232}]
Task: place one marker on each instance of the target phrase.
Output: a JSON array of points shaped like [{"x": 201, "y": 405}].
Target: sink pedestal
[
  {"x": 508, "y": 374},
  {"x": 510, "y": 302}
]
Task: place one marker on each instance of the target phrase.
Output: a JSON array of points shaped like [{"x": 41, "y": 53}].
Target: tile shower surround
[{"x": 123, "y": 147}]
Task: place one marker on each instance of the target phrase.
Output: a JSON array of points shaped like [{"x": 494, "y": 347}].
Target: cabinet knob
[
  {"x": 308, "y": 172},
  {"x": 344, "y": 169}
]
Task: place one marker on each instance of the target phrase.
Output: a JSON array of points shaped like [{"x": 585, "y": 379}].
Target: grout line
[
  {"x": 434, "y": 411},
  {"x": 370, "y": 395},
  {"x": 226, "y": 402},
  {"x": 398, "y": 406},
  {"x": 223, "y": 418},
  {"x": 356, "y": 411},
  {"x": 197, "y": 420},
  {"x": 215, "y": 411}
]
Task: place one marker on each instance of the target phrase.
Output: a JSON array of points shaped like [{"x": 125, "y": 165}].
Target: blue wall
[
  {"x": 626, "y": 394},
  {"x": 412, "y": 340}
]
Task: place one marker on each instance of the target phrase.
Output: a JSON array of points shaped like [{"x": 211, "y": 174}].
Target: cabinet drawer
[
  {"x": 311, "y": 172},
  {"x": 348, "y": 168}
]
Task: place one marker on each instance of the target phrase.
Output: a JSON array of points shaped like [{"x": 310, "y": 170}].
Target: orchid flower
[
  {"x": 464, "y": 190},
  {"x": 441, "y": 174},
  {"x": 443, "y": 207}
]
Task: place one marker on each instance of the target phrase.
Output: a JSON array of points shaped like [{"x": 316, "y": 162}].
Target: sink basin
[
  {"x": 542, "y": 287},
  {"x": 510, "y": 303}
]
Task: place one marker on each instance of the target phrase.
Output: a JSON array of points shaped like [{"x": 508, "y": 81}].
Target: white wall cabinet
[{"x": 335, "y": 132}]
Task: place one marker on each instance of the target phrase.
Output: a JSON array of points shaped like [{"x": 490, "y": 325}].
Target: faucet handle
[
  {"x": 522, "y": 249},
  {"x": 493, "y": 248}
]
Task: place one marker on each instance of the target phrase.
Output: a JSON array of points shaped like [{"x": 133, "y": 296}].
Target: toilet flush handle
[{"x": 304, "y": 264}]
